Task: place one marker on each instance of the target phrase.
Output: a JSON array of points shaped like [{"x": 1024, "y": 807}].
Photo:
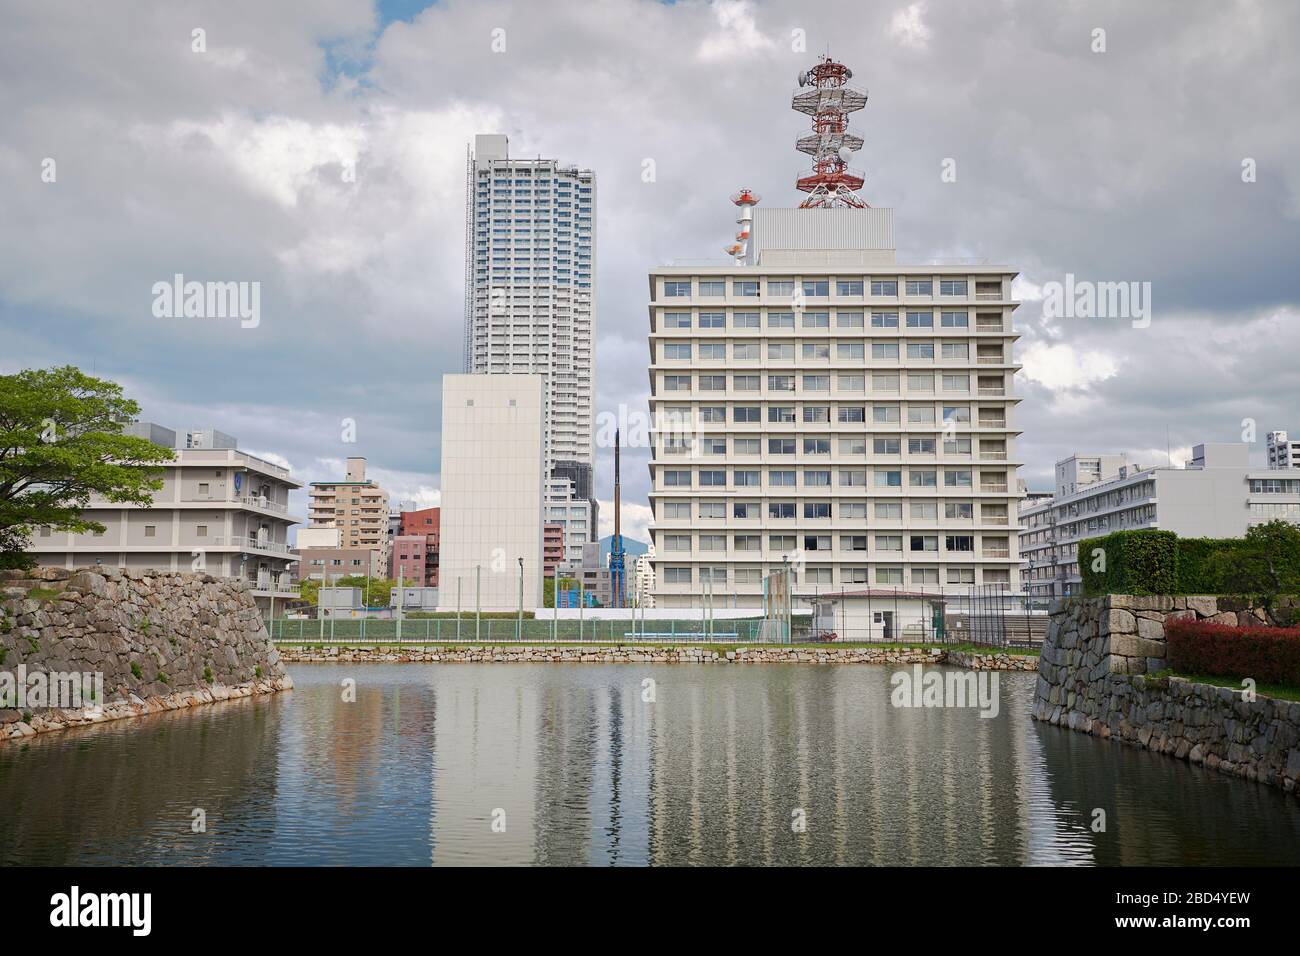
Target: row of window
[
  {"x": 821, "y": 478},
  {"x": 923, "y": 350},
  {"x": 848, "y": 574},
  {"x": 680, "y": 416},
  {"x": 818, "y": 320},
  {"x": 781, "y": 510},
  {"x": 917, "y": 543},
  {"x": 818, "y": 288},
  {"x": 818, "y": 382},
  {"x": 675, "y": 445}
]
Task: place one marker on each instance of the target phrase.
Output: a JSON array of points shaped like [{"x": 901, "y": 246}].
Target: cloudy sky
[{"x": 1161, "y": 151}]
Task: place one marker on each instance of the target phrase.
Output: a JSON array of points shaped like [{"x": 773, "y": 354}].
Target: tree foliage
[{"x": 61, "y": 444}]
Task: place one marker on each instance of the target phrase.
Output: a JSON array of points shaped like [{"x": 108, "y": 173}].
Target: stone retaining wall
[
  {"x": 158, "y": 641},
  {"x": 656, "y": 655},
  {"x": 1094, "y": 677}
]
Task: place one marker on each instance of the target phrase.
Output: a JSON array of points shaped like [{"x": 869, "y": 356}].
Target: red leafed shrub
[{"x": 1269, "y": 655}]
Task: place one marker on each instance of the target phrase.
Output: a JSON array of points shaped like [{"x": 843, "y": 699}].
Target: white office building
[
  {"x": 492, "y": 487},
  {"x": 1217, "y": 495},
  {"x": 220, "y": 510},
  {"x": 821, "y": 402},
  {"x": 1282, "y": 452},
  {"x": 530, "y": 263}
]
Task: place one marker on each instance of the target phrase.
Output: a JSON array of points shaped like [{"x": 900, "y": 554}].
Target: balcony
[
  {"x": 994, "y": 488},
  {"x": 992, "y": 390},
  {"x": 996, "y": 552},
  {"x": 984, "y": 359},
  {"x": 992, "y": 456}
]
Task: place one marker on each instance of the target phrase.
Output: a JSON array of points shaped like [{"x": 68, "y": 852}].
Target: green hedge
[
  {"x": 1136, "y": 562},
  {"x": 1150, "y": 561}
]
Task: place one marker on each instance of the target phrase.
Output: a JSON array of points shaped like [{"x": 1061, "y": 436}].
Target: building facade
[
  {"x": 424, "y": 523},
  {"x": 824, "y": 404},
  {"x": 356, "y": 506},
  {"x": 1282, "y": 452},
  {"x": 220, "y": 510},
  {"x": 492, "y": 486},
  {"x": 1217, "y": 495},
  {"x": 530, "y": 263}
]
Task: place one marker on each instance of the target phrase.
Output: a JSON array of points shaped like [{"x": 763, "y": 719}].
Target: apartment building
[
  {"x": 530, "y": 256},
  {"x": 492, "y": 487},
  {"x": 322, "y": 558},
  {"x": 552, "y": 548},
  {"x": 220, "y": 510},
  {"x": 417, "y": 561},
  {"x": 1282, "y": 452},
  {"x": 643, "y": 579},
  {"x": 1217, "y": 495},
  {"x": 356, "y": 506},
  {"x": 822, "y": 403}
]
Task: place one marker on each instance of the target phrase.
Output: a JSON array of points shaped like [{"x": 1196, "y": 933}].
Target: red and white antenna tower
[
  {"x": 746, "y": 199},
  {"x": 829, "y": 102}
]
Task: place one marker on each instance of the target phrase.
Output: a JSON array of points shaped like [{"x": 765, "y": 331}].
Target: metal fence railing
[{"x": 466, "y": 630}]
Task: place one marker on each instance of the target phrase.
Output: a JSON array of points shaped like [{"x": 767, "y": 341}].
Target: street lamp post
[{"x": 519, "y": 624}]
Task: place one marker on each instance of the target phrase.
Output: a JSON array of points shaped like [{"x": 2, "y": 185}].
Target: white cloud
[
  {"x": 908, "y": 27},
  {"x": 1063, "y": 367},
  {"x": 737, "y": 35}
]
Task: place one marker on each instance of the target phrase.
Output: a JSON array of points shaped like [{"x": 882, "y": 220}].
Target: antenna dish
[
  {"x": 803, "y": 78},
  {"x": 845, "y": 154}
]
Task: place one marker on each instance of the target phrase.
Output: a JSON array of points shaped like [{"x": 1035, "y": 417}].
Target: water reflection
[{"x": 567, "y": 764}]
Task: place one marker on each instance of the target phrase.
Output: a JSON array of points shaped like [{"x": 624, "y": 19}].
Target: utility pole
[
  {"x": 519, "y": 624},
  {"x": 478, "y": 599}
]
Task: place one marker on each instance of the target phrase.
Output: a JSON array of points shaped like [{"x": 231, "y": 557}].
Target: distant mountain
[{"x": 631, "y": 548}]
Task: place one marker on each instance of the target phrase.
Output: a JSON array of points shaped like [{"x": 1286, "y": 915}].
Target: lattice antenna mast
[{"x": 826, "y": 96}]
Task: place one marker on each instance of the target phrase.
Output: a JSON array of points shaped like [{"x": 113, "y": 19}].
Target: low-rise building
[
  {"x": 220, "y": 510},
  {"x": 1217, "y": 495},
  {"x": 321, "y": 558},
  {"x": 425, "y": 523}
]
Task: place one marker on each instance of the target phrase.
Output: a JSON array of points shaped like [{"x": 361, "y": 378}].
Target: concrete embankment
[
  {"x": 1095, "y": 677},
  {"x": 82, "y": 647}
]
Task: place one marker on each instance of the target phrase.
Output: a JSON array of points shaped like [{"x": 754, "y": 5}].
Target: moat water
[{"x": 568, "y": 764}]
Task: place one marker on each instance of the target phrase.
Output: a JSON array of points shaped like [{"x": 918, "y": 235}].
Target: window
[
  {"x": 711, "y": 413},
  {"x": 711, "y": 287},
  {"x": 921, "y": 350},
  {"x": 925, "y": 575},
  {"x": 849, "y": 320},
  {"x": 852, "y": 414},
  {"x": 746, "y": 446},
  {"x": 781, "y": 510},
  {"x": 884, "y": 350},
  {"x": 953, "y": 351},
  {"x": 956, "y": 446},
  {"x": 201, "y": 531},
  {"x": 961, "y": 575},
  {"x": 922, "y": 478},
  {"x": 715, "y": 446},
  {"x": 889, "y": 542},
  {"x": 744, "y": 287},
  {"x": 853, "y": 446},
  {"x": 713, "y": 383},
  {"x": 887, "y": 446},
  {"x": 780, "y": 542},
  {"x": 150, "y": 530},
  {"x": 713, "y": 320},
  {"x": 853, "y": 477},
  {"x": 745, "y": 413},
  {"x": 745, "y": 478},
  {"x": 889, "y": 511},
  {"x": 853, "y": 542},
  {"x": 853, "y": 510},
  {"x": 920, "y": 382},
  {"x": 780, "y": 413},
  {"x": 919, "y": 287},
  {"x": 817, "y": 414},
  {"x": 677, "y": 542},
  {"x": 713, "y": 479},
  {"x": 781, "y": 479},
  {"x": 884, "y": 287},
  {"x": 677, "y": 383},
  {"x": 677, "y": 575},
  {"x": 817, "y": 287},
  {"x": 741, "y": 351},
  {"x": 960, "y": 478},
  {"x": 884, "y": 382},
  {"x": 923, "y": 542},
  {"x": 886, "y": 478},
  {"x": 745, "y": 320},
  {"x": 677, "y": 320},
  {"x": 816, "y": 509},
  {"x": 924, "y": 510},
  {"x": 780, "y": 383},
  {"x": 780, "y": 446},
  {"x": 677, "y": 479},
  {"x": 956, "y": 413},
  {"x": 817, "y": 479},
  {"x": 713, "y": 542},
  {"x": 816, "y": 383},
  {"x": 677, "y": 510},
  {"x": 920, "y": 446},
  {"x": 954, "y": 320},
  {"x": 920, "y": 320},
  {"x": 746, "y": 383},
  {"x": 884, "y": 320},
  {"x": 884, "y": 414},
  {"x": 816, "y": 542},
  {"x": 956, "y": 383},
  {"x": 676, "y": 288},
  {"x": 816, "y": 446},
  {"x": 780, "y": 287},
  {"x": 852, "y": 383},
  {"x": 816, "y": 320},
  {"x": 959, "y": 542},
  {"x": 203, "y": 487},
  {"x": 780, "y": 320},
  {"x": 679, "y": 350},
  {"x": 952, "y": 286},
  {"x": 848, "y": 287},
  {"x": 817, "y": 351},
  {"x": 958, "y": 510},
  {"x": 781, "y": 351},
  {"x": 747, "y": 542}
]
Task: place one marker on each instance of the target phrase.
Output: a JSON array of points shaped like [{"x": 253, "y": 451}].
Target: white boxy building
[
  {"x": 824, "y": 403},
  {"x": 492, "y": 487}
]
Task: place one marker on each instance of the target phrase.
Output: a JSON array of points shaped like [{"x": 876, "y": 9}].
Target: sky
[{"x": 318, "y": 149}]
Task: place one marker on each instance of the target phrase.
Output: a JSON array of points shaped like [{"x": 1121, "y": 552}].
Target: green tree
[
  {"x": 1266, "y": 563},
  {"x": 61, "y": 443}
]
